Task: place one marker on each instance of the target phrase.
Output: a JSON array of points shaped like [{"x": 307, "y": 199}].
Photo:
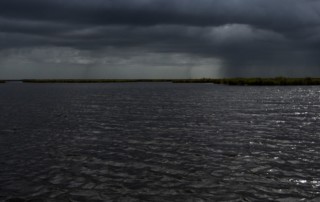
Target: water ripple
[{"x": 159, "y": 142}]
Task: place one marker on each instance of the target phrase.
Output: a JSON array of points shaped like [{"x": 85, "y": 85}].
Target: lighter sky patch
[{"x": 54, "y": 62}]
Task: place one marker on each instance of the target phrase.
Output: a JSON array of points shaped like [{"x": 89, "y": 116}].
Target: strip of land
[
  {"x": 279, "y": 81},
  {"x": 225, "y": 81},
  {"x": 93, "y": 80}
]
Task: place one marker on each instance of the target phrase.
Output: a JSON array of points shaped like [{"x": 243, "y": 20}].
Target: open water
[{"x": 159, "y": 142}]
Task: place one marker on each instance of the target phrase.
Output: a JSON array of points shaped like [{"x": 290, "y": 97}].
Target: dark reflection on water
[{"x": 159, "y": 142}]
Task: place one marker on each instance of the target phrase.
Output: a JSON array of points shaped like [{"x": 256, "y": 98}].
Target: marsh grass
[{"x": 256, "y": 81}]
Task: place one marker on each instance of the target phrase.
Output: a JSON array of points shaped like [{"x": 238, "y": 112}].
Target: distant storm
[{"x": 159, "y": 38}]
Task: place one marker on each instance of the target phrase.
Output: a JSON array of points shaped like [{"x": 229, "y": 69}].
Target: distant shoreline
[{"x": 279, "y": 81}]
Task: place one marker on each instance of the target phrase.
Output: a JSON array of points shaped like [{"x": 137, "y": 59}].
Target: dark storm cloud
[
  {"x": 272, "y": 14},
  {"x": 247, "y": 35},
  {"x": 285, "y": 13}
]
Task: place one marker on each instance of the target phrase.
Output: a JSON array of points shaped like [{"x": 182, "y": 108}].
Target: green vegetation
[
  {"x": 256, "y": 81},
  {"x": 226, "y": 81},
  {"x": 2, "y": 81}
]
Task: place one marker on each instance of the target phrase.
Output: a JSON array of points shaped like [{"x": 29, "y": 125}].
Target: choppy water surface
[{"x": 159, "y": 142}]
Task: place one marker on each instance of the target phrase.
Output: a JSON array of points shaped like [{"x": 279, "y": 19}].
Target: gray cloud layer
[{"x": 232, "y": 37}]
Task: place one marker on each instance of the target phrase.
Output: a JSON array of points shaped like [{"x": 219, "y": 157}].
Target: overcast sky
[{"x": 159, "y": 38}]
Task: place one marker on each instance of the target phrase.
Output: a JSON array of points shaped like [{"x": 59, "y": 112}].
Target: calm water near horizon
[{"x": 159, "y": 142}]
